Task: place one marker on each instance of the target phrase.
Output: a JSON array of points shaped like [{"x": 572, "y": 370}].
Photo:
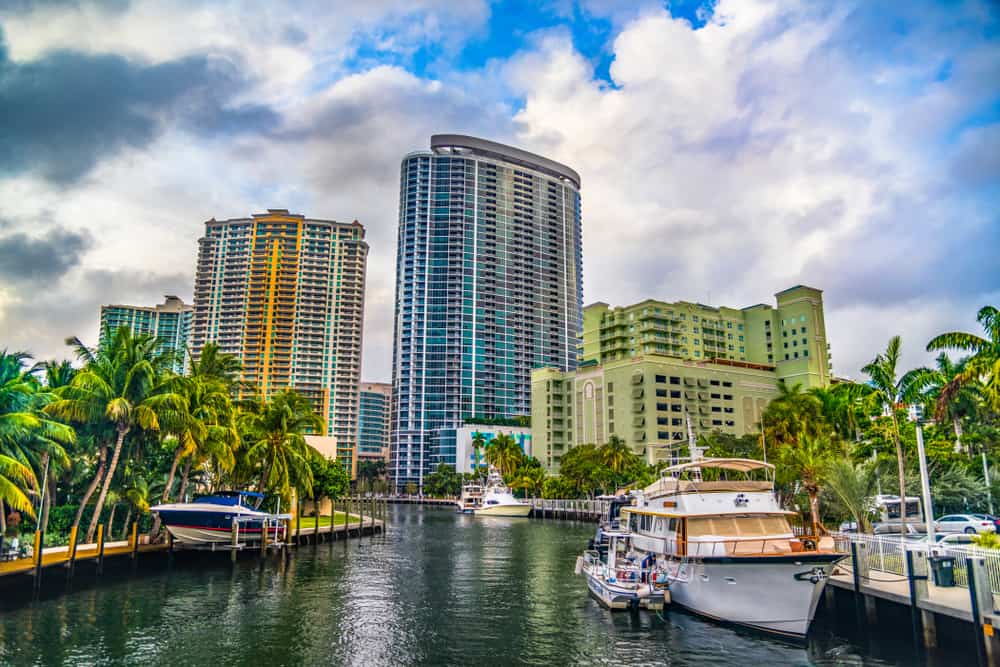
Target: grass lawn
[{"x": 324, "y": 520}]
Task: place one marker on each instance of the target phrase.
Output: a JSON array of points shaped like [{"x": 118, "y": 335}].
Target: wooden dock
[{"x": 880, "y": 570}]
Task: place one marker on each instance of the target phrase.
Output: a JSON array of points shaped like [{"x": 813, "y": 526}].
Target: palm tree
[
  {"x": 214, "y": 364},
  {"x": 892, "y": 391},
  {"x": 951, "y": 397},
  {"x": 529, "y": 479},
  {"x": 478, "y": 444},
  {"x": 843, "y": 407},
  {"x": 124, "y": 384},
  {"x": 276, "y": 432},
  {"x": 29, "y": 439},
  {"x": 504, "y": 453},
  {"x": 792, "y": 414},
  {"x": 807, "y": 459},
  {"x": 984, "y": 361},
  {"x": 853, "y": 485}
]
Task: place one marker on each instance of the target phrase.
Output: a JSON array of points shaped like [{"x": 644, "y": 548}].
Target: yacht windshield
[{"x": 738, "y": 526}]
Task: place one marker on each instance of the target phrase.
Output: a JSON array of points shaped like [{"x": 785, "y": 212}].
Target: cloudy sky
[{"x": 728, "y": 149}]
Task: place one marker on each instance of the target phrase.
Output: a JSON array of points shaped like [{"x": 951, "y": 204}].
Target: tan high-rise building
[{"x": 285, "y": 294}]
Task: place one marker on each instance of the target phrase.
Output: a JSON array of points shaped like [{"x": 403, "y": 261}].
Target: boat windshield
[{"x": 738, "y": 526}]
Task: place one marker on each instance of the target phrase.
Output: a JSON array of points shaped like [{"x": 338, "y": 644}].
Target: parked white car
[{"x": 963, "y": 523}]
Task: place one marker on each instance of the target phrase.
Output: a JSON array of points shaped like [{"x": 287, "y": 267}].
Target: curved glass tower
[{"x": 488, "y": 287}]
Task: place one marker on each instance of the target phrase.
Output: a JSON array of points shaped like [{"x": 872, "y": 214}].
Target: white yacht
[
  {"x": 493, "y": 499},
  {"x": 472, "y": 497},
  {"x": 726, "y": 547}
]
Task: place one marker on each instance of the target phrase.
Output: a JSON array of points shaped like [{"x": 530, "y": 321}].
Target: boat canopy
[
  {"x": 228, "y": 497},
  {"x": 740, "y": 465}
]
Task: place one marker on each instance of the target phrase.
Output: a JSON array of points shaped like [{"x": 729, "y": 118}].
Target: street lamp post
[
  {"x": 925, "y": 487},
  {"x": 986, "y": 476}
]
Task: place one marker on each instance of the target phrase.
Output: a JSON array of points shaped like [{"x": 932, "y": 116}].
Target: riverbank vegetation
[{"x": 102, "y": 441}]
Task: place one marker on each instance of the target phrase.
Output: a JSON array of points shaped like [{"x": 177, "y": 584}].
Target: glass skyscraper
[
  {"x": 488, "y": 287},
  {"x": 170, "y": 322}
]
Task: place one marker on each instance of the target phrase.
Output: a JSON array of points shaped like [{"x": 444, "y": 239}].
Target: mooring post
[
  {"x": 72, "y": 552},
  {"x": 100, "y": 548},
  {"x": 134, "y": 540},
  {"x": 333, "y": 520},
  {"x": 981, "y": 596},
  {"x": 234, "y": 536},
  {"x": 263, "y": 536},
  {"x": 913, "y": 579},
  {"x": 37, "y": 555}
]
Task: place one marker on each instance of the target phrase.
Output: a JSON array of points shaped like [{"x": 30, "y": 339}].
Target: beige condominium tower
[
  {"x": 285, "y": 294},
  {"x": 651, "y": 371}
]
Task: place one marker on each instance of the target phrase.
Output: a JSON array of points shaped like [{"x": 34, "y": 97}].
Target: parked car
[
  {"x": 989, "y": 517},
  {"x": 964, "y": 523}
]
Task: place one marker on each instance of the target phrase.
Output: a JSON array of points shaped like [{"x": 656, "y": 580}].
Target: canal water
[{"x": 440, "y": 588}]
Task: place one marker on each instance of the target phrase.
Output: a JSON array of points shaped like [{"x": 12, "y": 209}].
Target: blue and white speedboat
[{"x": 209, "y": 519}]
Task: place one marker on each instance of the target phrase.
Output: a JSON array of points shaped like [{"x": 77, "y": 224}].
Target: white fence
[
  {"x": 578, "y": 508},
  {"x": 886, "y": 554}
]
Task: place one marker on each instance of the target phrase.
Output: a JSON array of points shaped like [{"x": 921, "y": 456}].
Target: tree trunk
[
  {"x": 99, "y": 505},
  {"x": 46, "y": 506},
  {"x": 902, "y": 474},
  {"x": 166, "y": 490},
  {"x": 814, "y": 512},
  {"x": 111, "y": 520},
  {"x": 173, "y": 472},
  {"x": 266, "y": 476},
  {"x": 3, "y": 518},
  {"x": 184, "y": 478},
  {"x": 956, "y": 423},
  {"x": 128, "y": 523},
  {"x": 98, "y": 476}
]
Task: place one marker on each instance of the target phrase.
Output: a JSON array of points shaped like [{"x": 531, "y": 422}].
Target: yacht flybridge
[{"x": 726, "y": 547}]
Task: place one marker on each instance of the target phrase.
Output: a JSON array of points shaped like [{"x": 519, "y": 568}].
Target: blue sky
[{"x": 728, "y": 149}]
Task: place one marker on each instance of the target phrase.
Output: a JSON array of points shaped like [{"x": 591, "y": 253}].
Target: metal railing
[
  {"x": 888, "y": 554},
  {"x": 595, "y": 508}
]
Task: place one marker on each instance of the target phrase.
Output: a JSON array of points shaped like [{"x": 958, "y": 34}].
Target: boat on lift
[
  {"x": 726, "y": 547},
  {"x": 210, "y": 519}
]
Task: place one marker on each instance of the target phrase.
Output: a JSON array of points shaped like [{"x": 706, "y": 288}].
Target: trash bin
[{"x": 943, "y": 568}]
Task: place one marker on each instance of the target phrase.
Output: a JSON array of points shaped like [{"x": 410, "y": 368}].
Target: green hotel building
[{"x": 650, "y": 371}]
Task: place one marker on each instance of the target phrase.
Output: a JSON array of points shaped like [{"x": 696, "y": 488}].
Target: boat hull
[
  {"x": 616, "y": 597},
  {"x": 503, "y": 510},
  {"x": 205, "y": 526},
  {"x": 772, "y": 594}
]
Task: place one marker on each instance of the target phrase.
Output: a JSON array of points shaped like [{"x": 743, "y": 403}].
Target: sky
[{"x": 728, "y": 149}]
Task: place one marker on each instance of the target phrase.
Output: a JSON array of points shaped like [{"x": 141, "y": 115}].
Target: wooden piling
[
  {"x": 298, "y": 522},
  {"x": 315, "y": 522},
  {"x": 263, "y": 536},
  {"x": 234, "y": 540},
  {"x": 134, "y": 538},
  {"x": 100, "y": 548},
  {"x": 71, "y": 562},
  {"x": 37, "y": 557}
]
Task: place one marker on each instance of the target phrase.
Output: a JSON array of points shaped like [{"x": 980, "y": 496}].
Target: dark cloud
[
  {"x": 62, "y": 113},
  {"x": 42, "y": 259}
]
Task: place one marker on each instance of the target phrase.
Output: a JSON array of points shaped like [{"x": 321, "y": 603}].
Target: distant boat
[
  {"x": 493, "y": 499},
  {"x": 209, "y": 519}
]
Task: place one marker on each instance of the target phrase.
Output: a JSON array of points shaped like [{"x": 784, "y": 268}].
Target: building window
[
  {"x": 786, "y": 356},
  {"x": 674, "y": 407},
  {"x": 714, "y": 383},
  {"x": 716, "y": 396},
  {"x": 660, "y": 379},
  {"x": 796, "y": 355},
  {"x": 805, "y": 353},
  {"x": 661, "y": 406},
  {"x": 661, "y": 393},
  {"x": 674, "y": 380},
  {"x": 804, "y": 340},
  {"x": 611, "y": 387}
]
